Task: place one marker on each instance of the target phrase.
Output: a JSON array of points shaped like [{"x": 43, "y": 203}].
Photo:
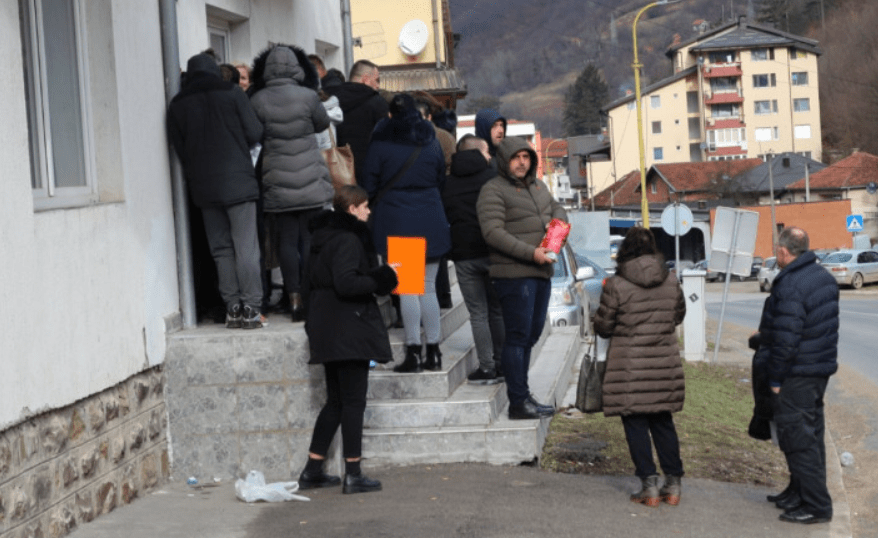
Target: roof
[
  {"x": 786, "y": 169},
  {"x": 651, "y": 88},
  {"x": 557, "y": 147},
  {"x": 436, "y": 80},
  {"x": 692, "y": 177},
  {"x": 621, "y": 193},
  {"x": 746, "y": 35},
  {"x": 855, "y": 171}
]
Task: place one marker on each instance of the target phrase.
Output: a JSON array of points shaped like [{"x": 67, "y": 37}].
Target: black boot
[
  {"x": 434, "y": 358},
  {"x": 297, "y": 307},
  {"x": 412, "y": 362}
]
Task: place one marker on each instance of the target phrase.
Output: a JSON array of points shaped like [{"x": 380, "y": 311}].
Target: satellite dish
[
  {"x": 872, "y": 187},
  {"x": 413, "y": 37}
]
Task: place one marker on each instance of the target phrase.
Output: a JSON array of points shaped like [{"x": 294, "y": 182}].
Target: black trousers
[
  {"x": 798, "y": 413},
  {"x": 346, "y": 386},
  {"x": 664, "y": 435}
]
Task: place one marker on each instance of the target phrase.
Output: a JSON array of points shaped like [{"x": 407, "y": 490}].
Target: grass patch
[{"x": 712, "y": 429}]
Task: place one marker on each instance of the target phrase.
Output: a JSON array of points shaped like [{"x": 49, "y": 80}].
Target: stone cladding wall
[{"x": 68, "y": 466}]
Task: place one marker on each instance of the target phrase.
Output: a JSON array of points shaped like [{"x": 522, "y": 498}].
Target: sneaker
[
  {"x": 483, "y": 377},
  {"x": 253, "y": 318},
  {"x": 234, "y": 316}
]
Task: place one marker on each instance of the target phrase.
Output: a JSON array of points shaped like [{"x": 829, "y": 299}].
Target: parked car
[
  {"x": 823, "y": 253},
  {"x": 594, "y": 285},
  {"x": 569, "y": 301},
  {"x": 755, "y": 266},
  {"x": 711, "y": 276},
  {"x": 853, "y": 267},
  {"x": 767, "y": 273}
]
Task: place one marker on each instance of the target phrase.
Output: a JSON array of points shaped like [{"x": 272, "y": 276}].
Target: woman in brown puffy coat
[{"x": 640, "y": 308}]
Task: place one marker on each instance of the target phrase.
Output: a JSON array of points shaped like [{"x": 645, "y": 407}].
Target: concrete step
[{"x": 426, "y": 434}]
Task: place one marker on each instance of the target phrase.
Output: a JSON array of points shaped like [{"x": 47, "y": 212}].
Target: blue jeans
[
  {"x": 524, "y": 302},
  {"x": 485, "y": 313}
]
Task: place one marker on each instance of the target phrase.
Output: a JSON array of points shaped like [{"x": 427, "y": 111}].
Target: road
[{"x": 859, "y": 319}]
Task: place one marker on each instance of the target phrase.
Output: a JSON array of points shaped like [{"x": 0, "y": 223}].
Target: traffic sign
[
  {"x": 676, "y": 220},
  {"x": 855, "y": 223}
]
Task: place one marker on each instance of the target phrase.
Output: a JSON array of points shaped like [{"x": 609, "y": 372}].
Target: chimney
[
  {"x": 742, "y": 20},
  {"x": 786, "y": 162}
]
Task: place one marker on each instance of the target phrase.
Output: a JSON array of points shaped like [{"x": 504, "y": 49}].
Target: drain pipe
[
  {"x": 171, "y": 56},
  {"x": 347, "y": 36},
  {"x": 436, "y": 41}
]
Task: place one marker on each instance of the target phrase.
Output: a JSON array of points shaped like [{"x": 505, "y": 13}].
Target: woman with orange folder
[
  {"x": 345, "y": 331},
  {"x": 404, "y": 173}
]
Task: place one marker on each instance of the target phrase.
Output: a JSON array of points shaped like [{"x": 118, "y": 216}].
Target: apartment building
[{"x": 740, "y": 91}]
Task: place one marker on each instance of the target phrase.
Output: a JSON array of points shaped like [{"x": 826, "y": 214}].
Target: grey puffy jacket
[{"x": 294, "y": 174}]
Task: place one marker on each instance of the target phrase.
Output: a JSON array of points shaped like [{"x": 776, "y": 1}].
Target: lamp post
[{"x": 644, "y": 203}]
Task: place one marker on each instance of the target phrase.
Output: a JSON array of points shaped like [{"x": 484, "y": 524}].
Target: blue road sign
[{"x": 855, "y": 223}]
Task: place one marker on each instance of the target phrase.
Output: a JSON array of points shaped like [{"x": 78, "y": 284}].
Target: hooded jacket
[
  {"x": 640, "y": 307},
  {"x": 798, "y": 332},
  {"x": 343, "y": 321},
  {"x": 212, "y": 126},
  {"x": 294, "y": 174},
  {"x": 513, "y": 215},
  {"x": 363, "y": 108},
  {"x": 413, "y": 206},
  {"x": 485, "y": 119},
  {"x": 469, "y": 173}
]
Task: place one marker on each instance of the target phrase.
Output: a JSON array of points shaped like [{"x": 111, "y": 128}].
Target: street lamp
[{"x": 644, "y": 203}]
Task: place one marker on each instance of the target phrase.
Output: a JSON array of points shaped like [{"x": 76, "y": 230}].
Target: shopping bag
[{"x": 589, "y": 398}]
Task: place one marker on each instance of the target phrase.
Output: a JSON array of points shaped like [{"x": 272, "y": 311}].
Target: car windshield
[{"x": 838, "y": 257}]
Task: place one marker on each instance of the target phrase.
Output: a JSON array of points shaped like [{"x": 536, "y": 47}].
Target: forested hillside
[{"x": 527, "y": 53}]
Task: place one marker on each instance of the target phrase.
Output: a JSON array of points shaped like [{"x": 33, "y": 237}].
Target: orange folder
[{"x": 408, "y": 255}]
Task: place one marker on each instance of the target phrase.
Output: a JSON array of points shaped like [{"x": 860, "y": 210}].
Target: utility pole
[{"x": 771, "y": 193}]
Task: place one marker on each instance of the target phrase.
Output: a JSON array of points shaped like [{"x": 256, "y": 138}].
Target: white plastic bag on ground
[{"x": 255, "y": 489}]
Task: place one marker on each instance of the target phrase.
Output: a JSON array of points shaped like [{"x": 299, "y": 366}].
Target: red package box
[{"x": 555, "y": 235}]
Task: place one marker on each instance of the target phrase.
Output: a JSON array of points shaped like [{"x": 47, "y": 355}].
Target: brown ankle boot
[
  {"x": 670, "y": 492},
  {"x": 649, "y": 493}
]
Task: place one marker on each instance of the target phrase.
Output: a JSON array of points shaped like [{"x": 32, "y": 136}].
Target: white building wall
[{"x": 86, "y": 290}]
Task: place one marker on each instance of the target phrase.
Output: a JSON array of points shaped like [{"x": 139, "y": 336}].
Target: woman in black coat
[{"x": 345, "y": 331}]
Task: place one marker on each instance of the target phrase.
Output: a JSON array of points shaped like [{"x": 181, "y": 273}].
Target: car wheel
[{"x": 857, "y": 281}]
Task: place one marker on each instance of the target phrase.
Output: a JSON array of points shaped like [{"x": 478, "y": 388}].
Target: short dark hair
[
  {"x": 360, "y": 68},
  {"x": 471, "y": 141},
  {"x": 638, "y": 242},
  {"x": 317, "y": 61},
  {"x": 795, "y": 240},
  {"x": 348, "y": 195},
  {"x": 230, "y": 73}
]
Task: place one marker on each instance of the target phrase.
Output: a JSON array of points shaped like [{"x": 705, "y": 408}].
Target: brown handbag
[{"x": 340, "y": 161}]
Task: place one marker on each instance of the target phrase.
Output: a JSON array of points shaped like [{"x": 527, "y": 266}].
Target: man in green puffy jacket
[{"x": 514, "y": 211}]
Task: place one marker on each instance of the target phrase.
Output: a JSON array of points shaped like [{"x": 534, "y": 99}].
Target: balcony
[
  {"x": 723, "y": 97},
  {"x": 723, "y": 70}
]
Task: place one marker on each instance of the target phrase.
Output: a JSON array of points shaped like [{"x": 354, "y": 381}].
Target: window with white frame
[
  {"x": 658, "y": 154},
  {"x": 56, "y": 91},
  {"x": 802, "y": 131},
  {"x": 723, "y": 84},
  {"x": 799, "y": 78},
  {"x": 768, "y": 80},
  {"x": 220, "y": 41},
  {"x": 725, "y": 110},
  {"x": 655, "y": 101},
  {"x": 764, "y": 134},
  {"x": 801, "y": 105},
  {"x": 724, "y": 138},
  {"x": 765, "y": 107}
]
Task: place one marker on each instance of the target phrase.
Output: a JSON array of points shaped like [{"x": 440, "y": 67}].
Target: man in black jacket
[
  {"x": 211, "y": 125},
  {"x": 799, "y": 343},
  {"x": 469, "y": 171},
  {"x": 363, "y": 108}
]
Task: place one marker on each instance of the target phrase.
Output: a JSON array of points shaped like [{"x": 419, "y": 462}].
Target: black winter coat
[
  {"x": 363, "y": 108},
  {"x": 798, "y": 333},
  {"x": 343, "y": 321},
  {"x": 469, "y": 172},
  {"x": 212, "y": 126}
]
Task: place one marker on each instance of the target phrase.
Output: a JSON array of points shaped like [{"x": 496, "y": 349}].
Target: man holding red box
[{"x": 515, "y": 209}]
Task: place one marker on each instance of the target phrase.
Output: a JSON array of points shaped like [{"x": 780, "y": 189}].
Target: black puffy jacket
[
  {"x": 469, "y": 172},
  {"x": 212, "y": 126},
  {"x": 343, "y": 321},
  {"x": 798, "y": 332}
]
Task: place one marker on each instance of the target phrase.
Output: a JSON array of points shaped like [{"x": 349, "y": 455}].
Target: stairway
[{"x": 241, "y": 400}]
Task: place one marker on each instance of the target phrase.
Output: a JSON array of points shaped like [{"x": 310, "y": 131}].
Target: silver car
[
  {"x": 767, "y": 272},
  {"x": 569, "y": 301},
  {"x": 853, "y": 267}
]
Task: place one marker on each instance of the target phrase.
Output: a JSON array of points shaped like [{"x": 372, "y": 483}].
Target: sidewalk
[{"x": 472, "y": 500}]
